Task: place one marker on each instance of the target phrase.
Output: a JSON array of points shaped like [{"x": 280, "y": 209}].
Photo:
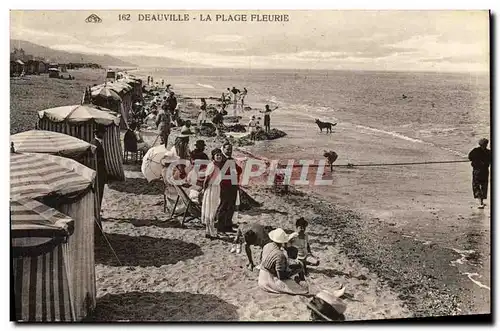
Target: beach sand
[{"x": 171, "y": 273}]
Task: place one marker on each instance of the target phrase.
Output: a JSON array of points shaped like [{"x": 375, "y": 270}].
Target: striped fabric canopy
[
  {"x": 38, "y": 175},
  {"x": 41, "y": 141},
  {"x": 30, "y": 218},
  {"x": 105, "y": 92},
  {"x": 80, "y": 113}
]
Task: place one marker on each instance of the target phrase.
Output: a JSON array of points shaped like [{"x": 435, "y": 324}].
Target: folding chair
[{"x": 193, "y": 208}]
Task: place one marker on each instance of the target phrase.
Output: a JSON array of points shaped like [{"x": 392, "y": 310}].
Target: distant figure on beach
[
  {"x": 171, "y": 105},
  {"x": 300, "y": 240},
  {"x": 480, "y": 158},
  {"x": 243, "y": 95},
  {"x": 276, "y": 272},
  {"x": 149, "y": 78},
  {"x": 152, "y": 82},
  {"x": 218, "y": 121},
  {"x": 141, "y": 144},
  {"x": 182, "y": 141},
  {"x": 253, "y": 234},
  {"x": 252, "y": 127},
  {"x": 211, "y": 194},
  {"x": 202, "y": 117},
  {"x": 198, "y": 159},
  {"x": 102, "y": 175},
  {"x": 163, "y": 123},
  {"x": 404, "y": 96},
  {"x": 162, "y": 82},
  {"x": 267, "y": 117},
  {"x": 236, "y": 93},
  {"x": 229, "y": 191}
]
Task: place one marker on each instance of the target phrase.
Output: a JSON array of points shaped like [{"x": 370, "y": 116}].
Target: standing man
[
  {"x": 235, "y": 92},
  {"x": 172, "y": 104},
  {"x": 102, "y": 175},
  {"x": 228, "y": 191},
  {"x": 480, "y": 158},
  {"x": 243, "y": 95},
  {"x": 267, "y": 117}
]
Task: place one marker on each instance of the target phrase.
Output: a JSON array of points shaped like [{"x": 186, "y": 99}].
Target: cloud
[{"x": 224, "y": 38}]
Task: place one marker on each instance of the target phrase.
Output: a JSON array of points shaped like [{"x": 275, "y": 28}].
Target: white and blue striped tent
[
  {"x": 80, "y": 121},
  {"x": 67, "y": 186}
]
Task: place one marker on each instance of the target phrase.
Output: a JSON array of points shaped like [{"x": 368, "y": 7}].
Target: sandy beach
[{"x": 390, "y": 269}]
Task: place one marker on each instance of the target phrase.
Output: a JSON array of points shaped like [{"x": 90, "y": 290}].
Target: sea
[
  {"x": 381, "y": 118},
  {"x": 450, "y": 110}
]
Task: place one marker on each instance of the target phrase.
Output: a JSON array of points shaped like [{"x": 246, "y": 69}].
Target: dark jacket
[
  {"x": 480, "y": 159},
  {"x": 101, "y": 165},
  {"x": 172, "y": 103}
]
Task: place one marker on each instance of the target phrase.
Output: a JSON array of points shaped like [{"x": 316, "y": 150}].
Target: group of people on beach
[
  {"x": 234, "y": 96},
  {"x": 285, "y": 258}
]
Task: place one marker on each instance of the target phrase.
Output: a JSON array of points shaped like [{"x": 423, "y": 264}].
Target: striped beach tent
[
  {"x": 55, "y": 143},
  {"x": 41, "y": 262},
  {"x": 80, "y": 121},
  {"x": 104, "y": 96},
  {"x": 125, "y": 91},
  {"x": 65, "y": 185}
]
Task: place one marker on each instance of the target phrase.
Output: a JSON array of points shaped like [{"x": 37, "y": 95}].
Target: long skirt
[
  {"x": 211, "y": 200},
  {"x": 227, "y": 206},
  {"x": 270, "y": 283}
]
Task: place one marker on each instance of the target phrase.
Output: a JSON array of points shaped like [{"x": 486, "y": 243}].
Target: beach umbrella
[
  {"x": 81, "y": 113},
  {"x": 32, "y": 219},
  {"x": 38, "y": 175},
  {"x": 41, "y": 141},
  {"x": 152, "y": 163},
  {"x": 105, "y": 92}
]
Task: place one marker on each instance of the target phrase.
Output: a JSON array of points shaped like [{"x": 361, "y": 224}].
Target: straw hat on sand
[
  {"x": 278, "y": 236},
  {"x": 328, "y": 306}
]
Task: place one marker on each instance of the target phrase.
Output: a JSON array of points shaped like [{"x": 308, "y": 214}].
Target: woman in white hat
[
  {"x": 326, "y": 306},
  {"x": 276, "y": 274}
]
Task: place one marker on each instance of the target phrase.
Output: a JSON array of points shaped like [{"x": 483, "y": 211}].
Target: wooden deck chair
[{"x": 193, "y": 208}]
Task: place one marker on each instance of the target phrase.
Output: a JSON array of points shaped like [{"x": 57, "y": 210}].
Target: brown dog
[{"x": 331, "y": 157}]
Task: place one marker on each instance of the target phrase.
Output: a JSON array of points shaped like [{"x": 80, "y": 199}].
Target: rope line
[{"x": 109, "y": 244}]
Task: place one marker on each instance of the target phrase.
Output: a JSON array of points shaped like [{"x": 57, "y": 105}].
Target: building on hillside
[{"x": 17, "y": 67}]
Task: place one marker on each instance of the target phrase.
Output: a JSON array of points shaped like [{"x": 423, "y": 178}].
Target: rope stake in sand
[{"x": 470, "y": 275}]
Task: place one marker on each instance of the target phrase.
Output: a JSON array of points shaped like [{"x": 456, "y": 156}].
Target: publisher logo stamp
[{"x": 93, "y": 19}]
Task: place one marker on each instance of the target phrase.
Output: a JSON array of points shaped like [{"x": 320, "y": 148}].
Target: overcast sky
[{"x": 372, "y": 40}]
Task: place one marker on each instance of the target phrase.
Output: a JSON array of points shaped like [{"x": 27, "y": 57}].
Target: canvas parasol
[
  {"x": 41, "y": 141},
  {"x": 105, "y": 92},
  {"x": 30, "y": 218},
  {"x": 38, "y": 175},
  {"x": 80, "y": 113},
  {"x": 155, "y": 158}
]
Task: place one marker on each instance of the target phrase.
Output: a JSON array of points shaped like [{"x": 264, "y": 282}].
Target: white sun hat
[{"x": 278, "y": 236}]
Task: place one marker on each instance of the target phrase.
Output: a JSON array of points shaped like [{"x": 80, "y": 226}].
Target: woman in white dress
[
  {"x": 202, "y": 117},
  {"x": 211, "y": 195}
]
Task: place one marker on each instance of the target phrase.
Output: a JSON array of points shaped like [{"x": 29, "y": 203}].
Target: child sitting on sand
[{"x": 300, "y": 240}]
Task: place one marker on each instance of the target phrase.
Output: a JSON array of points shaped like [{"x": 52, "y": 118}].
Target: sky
[{"x": 361, "y": 40}]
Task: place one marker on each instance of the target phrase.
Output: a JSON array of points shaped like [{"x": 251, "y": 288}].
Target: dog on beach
[
  {"x": 331, "y": 157},
  {"x": 325, "y": 125}
]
